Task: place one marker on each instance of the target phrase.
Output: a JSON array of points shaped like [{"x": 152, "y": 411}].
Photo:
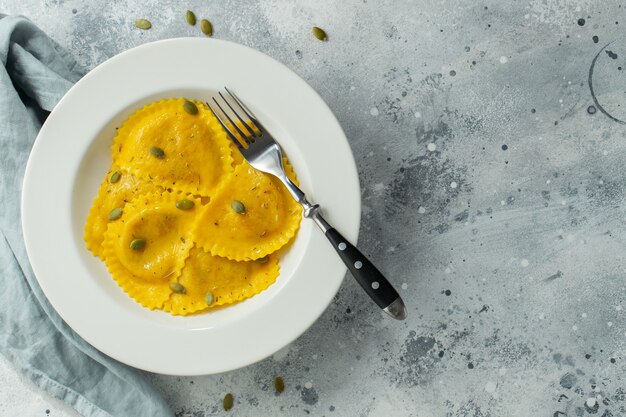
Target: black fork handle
[
  {"x": 362, "y": 269},
  {"x": 367, "y": 275}
]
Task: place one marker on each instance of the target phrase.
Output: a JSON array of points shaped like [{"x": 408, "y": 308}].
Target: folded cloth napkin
[{"x": 36, "y": 73}]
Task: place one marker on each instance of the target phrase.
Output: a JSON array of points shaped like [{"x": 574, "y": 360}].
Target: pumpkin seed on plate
[
  {"x": 184, "y": 204},
  {"x": 115, "y": 214},
  {"x": 190, "y": 107},
  {"x": 206, "y": 27},
  {"x": 209, "y": 298},
  {"x": 319, "y": 33},
  {"x": 156, "y": 151},
  {"x": 115, "y": 177},
  {"x": 177, "y": 288},
  {"x": 228, "y": 401},
  {"x": 262, "y": 260},
  {"x": 138, "y": 244},
  {"x": 143, "y": 24},
  {"x": 190, "y": 17},
  {"x": 238, "y": 206},
  {"x": 279, "y": 385}
]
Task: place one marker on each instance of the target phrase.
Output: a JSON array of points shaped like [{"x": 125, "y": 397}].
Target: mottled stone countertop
[{"x": 490, "y": 142}]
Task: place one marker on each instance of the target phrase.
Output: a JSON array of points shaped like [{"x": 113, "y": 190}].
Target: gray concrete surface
[{"x": 493, "y": 196}]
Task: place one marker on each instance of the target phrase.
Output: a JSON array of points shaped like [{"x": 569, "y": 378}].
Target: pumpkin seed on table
[
  {"x": 138, "y": 244},
  {"x": 115, "y": 214},
  {"x": 190, "y": 107},
  {"x": 115, "y": 177},
  {"x": 228, "y": 401},
  {"x": 209, "y": 298},
  {"x": 177, "y": 288},
  {"x": 190, "y": 17},
  {"x": 206, "y": 27},
  {"x": 143, "y": 24},
  {"x": 238, "y": 206},
  {"x": 319, "y": 33},
  {"x": 156, "y": 151},
  {"x": 279, "y": 385},
  {"x": 184, "y": 204}
]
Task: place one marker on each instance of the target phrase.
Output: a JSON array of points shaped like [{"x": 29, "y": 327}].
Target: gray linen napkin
[{"x": 36, "y": 73}]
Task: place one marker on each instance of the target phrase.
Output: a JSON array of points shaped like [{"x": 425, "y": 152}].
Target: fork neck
[
  {"x": 314, "y": 212},
  {"x": 311, "y": 211}
]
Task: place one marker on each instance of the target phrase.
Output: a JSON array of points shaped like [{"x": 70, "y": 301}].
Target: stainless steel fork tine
[
  {"x": 243, "y": 135},
  {"x": 246, "y": 110},
  {"x": 250, "y": 130},
  {"x": 230, "y": 134}
]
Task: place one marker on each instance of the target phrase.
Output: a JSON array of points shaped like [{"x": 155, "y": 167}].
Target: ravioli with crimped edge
[
  {"x": 174, "y": 148},
  {"x": 118, "y": 188},
  {"x": 146, "y": 247},
  {"x": 208, "y": 280},
  {"x": 249, "y": 217},
  {"x": 181, "y": 220}
]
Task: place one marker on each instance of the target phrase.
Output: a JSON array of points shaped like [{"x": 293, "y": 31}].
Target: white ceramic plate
[{"x": 71, "y": 156}]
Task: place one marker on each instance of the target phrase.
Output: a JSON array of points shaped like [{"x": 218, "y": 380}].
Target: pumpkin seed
[
  {"x": 138, "y": 244},
  {"x": 115, "y": 177},
  {"x": 143, "y": 24},
  {"x": 206, "y": 27},
  {"x": 190, "y": 107},
  {"x": 228, "y": 401},
  {"x": 238, "y": 206},
  {"x": 115, "y": 214},
  {"x": 262, "y": 260},
  {"x": 190, "y": 17},
  {"x": 177, "y": 288},
  {"x": 319, "y": 33},
  {"x": 209, "y": 298},
  {"x": 279, "y": 385},
  {"x": 156, "y": 151},
  {"x": 184, "y": 204}
]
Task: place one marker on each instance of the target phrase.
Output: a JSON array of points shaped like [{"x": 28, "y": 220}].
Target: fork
[{"x": 264, "y": 154}]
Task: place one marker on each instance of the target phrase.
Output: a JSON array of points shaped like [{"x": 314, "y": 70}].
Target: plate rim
[{"x": 351, "y": 231}]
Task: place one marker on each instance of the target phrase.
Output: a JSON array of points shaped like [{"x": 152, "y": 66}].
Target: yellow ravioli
[
  {"x": 228, "y": 281},
  {"x": 164, "y": 144},
  {"x": 237, "y": 156},
  {"x": 271, "y": 217},
  {"x": 145, "y": 273},
  {"x": 110, "y": 196},
  {"x": 153, "y": 246}
]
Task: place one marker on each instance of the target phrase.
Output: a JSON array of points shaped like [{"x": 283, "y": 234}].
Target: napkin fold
[{"x": 35, "y": 74}]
